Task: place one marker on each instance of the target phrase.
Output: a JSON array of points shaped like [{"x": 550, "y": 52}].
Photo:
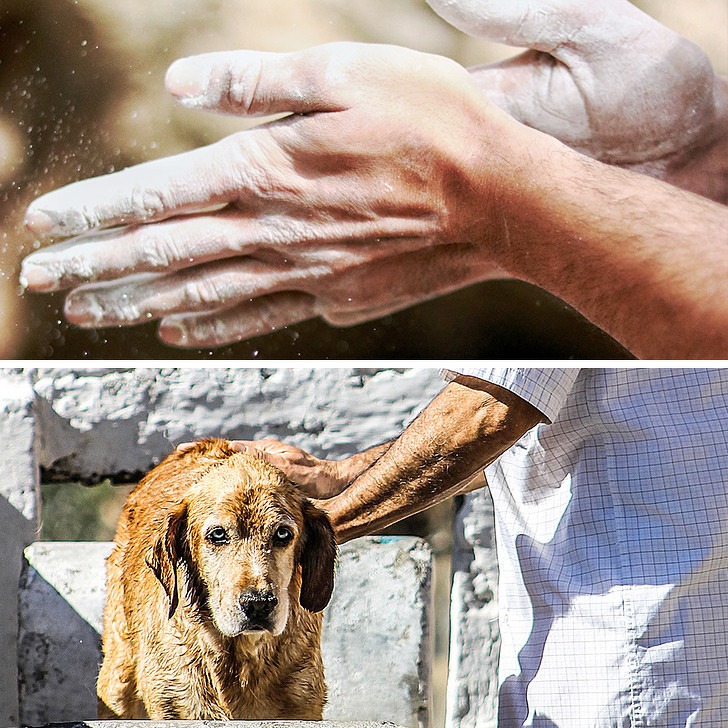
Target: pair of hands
[{"x": 364, "y": 200}]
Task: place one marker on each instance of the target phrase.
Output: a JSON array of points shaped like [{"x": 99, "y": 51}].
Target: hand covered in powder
[
  {"x": 608, "y": 81},
  {"x": 356, "y": 204},
  {"x": 384, "y": 186}
]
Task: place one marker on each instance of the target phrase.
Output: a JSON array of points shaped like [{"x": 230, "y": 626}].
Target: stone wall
[{"x": 88, "y": 424}]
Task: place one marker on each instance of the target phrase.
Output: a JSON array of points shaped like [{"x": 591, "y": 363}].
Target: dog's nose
[{"x": 258, "y": 604}]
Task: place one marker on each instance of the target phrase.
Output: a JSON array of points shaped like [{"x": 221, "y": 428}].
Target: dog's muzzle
[{"x": 258, "y": 606}]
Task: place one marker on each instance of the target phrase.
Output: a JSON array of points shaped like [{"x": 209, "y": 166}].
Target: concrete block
[
  {"x": 377, "y": 632},
  {"x": 376, "y": 640},
  {"x": 19, "y": 508},
  {"x": 472, "y": 688}
]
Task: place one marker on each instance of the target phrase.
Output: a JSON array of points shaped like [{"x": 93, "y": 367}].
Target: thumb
[
  {"x": 549, "y": 26},
  {"x": 256, "y": 83}
]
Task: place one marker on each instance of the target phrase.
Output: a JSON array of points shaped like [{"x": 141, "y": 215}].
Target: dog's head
[{"x": 249, "y": 543}]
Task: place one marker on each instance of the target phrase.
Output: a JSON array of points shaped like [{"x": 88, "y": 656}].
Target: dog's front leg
[{"x": 190, "y": 696}]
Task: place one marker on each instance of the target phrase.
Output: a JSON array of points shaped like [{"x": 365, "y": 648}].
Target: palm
[{"x": 604, "y": 78}]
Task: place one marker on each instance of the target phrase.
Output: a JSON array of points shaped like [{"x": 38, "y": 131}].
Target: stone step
[
  {"x": 223, "y": 724},
  {"x": 376, "y": 640}
]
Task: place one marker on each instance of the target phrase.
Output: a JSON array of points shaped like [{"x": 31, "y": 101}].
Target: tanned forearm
[
  {"x": 352, "y": 467},
  {"x": 463, "y": 429},
  {"x": 645, "y": 261}
]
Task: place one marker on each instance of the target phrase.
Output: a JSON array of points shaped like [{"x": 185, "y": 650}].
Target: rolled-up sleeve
[{"x": 545, "y": 389}]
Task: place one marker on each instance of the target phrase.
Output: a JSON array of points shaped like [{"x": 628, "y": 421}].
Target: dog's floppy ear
[
  {"x": 317, "y": 559},
  {"x": 163, "y": 555}
]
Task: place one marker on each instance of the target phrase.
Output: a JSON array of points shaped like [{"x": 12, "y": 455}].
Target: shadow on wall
[
  {"x": 15, "y": 531},
  {"x": 48, "y": 688}
]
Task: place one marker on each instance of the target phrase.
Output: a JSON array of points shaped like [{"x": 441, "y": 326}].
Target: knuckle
[
  {"x": 146, "y": 203},
  {"x": 124, "y": 306},
  {"x": 202, "y": 293},
  {"x": 87, "y": 219},
  {"x": 694, "y": 63},
  {"x": 255, "y": 169},
  {"x": 155, "y": 249},
  {"x": 240, "y": 86}
]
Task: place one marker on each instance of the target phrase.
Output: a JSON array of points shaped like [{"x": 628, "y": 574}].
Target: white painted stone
[
  {"x": 19, "y": 508},
  {"x": 377, "y": 633},
  {"x": 100, "y": 422},
  {"x": 472, "y": 689},
  {"x": 376, "y": 640}
]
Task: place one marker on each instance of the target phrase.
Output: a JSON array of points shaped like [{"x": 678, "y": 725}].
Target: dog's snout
[{"x": 258, "y": 604}]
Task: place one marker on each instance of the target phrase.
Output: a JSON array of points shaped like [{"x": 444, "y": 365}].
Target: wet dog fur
[{"x": 215, "y": 587}]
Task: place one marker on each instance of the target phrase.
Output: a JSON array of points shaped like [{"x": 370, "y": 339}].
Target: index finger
[
  {"x": 242, "y": 82},
  {"x": 191, "y": 181}
]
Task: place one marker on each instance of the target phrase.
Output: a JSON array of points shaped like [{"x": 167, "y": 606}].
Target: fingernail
[
  {"x": 38, "y": 221},
  {"x": 173, "y": 333},
  {"x": 36, "y": 278},
  {"x": 185, "y": 77},
  {"x": 82, "y": 310}
]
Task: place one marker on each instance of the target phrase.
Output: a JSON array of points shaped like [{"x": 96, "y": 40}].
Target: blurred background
[{"x": 81, "y": 94}]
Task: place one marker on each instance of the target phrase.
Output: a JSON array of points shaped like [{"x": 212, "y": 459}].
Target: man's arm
[
  {"x": 645, "y": 261},
  {"x": 461, "y": 431}
]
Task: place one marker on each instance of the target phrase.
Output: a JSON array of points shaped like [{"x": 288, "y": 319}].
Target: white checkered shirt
[{"x": 612, "y": 529}]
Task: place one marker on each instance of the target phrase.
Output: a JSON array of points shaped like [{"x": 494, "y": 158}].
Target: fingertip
[
  {"x": 185, "y": 78},
  {"x": 57, "y": 214},
  {"x": 174, "y": 333},
  {"x": 38, "y": 221},
  {"x": 37, "y": 278}
]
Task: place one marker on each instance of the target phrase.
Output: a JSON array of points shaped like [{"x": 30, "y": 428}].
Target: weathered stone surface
[
  {"x": 223, "y": 724},
  {"x": 19, "y": 507},
  {"x": 377, "y": 633},
  {"x": 474, "y": 634},
  {"x": 97, "y": 423},
  {"x": 376, "y": 641}
]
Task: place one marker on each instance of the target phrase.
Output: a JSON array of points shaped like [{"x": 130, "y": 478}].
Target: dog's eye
[
  {"x": 217, "y": 535},
  {"x": 282, "y": 536}
]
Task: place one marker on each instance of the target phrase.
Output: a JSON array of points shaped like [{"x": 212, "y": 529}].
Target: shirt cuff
[{"x": 545, "y": 389}]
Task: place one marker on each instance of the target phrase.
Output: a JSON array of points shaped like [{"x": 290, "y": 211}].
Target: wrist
[
  {"x": 335, "y": 478},
  {"x": 522, "y": 188}
]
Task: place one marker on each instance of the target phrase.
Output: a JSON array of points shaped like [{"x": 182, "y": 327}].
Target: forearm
[
  {"x": 462, "y": 430},
  {"x": 643, "y": 260},
  {"x": 350, "y": 468}
]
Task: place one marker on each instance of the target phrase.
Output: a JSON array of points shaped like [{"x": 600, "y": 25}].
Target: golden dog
[{"x": 219, "y": 573}]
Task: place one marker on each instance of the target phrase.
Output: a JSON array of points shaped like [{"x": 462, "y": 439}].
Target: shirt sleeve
[{"x": 545, "y": 389}]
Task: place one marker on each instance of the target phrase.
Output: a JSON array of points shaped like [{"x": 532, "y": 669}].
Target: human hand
[
  {"x": 363, "y": 201},
  {"x": 608, "y": 81},
  {"x": 317, "y": 478}
]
